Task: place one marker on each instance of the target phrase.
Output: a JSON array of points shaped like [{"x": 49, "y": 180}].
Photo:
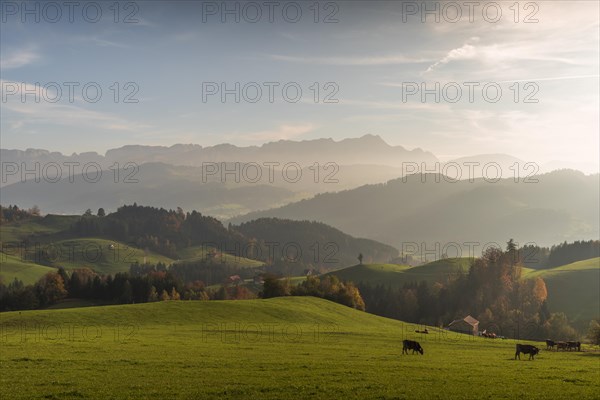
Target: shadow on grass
[{"x": 589, "y": 354}]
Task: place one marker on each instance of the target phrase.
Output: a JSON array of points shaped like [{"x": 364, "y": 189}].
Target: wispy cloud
[
  {"x": 465, "y": 52},
  {"x": 18, "y": 58},
  {"x": 553, "y": 78},
  {"x": 100, "y": 41},
  {"x": 30, "y": 111},
  {"x": 353, "y": 60},
  {"x": 283, "y": 132}
]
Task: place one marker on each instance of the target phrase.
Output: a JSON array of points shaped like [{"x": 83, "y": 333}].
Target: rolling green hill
[
  {"x": 138, "y": 234},
  {"x": 573, "y": 288},
  {"x": 37, "y": 246},
  {"x": 13, "y": 267},
  {"x": 102, "y": 255},
  {"x": 201, "y": 252},
  {"x": 39, "y": 227},
  {"x": 292, "y": 348},
  {"x": 398, "y": 275}
]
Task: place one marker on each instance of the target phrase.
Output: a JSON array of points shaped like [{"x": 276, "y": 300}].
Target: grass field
[
  {"x": 200, "y": 252},
  {"x": 12, "y": 267},
  {"x": 571, "y": 286},
  {"x": 49, "y": 225},
  {"x": 284, "y": 348},
  {"x": 102, "y": 255},
  {"x": 51, "y": 246},
  {"x": 398, "y": 275}
]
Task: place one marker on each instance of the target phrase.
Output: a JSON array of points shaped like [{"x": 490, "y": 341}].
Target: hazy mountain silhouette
[{"x": 562, "y": 205}]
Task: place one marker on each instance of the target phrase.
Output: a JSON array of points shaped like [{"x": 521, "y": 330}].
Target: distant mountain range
[
  {"x": 342, "y": 183},
  {"x": 368, "y": 149},
  {"x": 419, "y": 209}
]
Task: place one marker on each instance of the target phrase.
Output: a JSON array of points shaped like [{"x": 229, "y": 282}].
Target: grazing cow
[
  {"x": 550, "y": 344},
  {"x": 574, "y": 346},
  {"x": 425, "y": 331},
  {"x": 526, "y": 349},
  {"x": 411, "y": 345},
  {"x": 561, "y": 346}
]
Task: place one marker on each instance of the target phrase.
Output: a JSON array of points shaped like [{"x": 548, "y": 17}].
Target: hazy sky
[{"x": 169, "y": 52}]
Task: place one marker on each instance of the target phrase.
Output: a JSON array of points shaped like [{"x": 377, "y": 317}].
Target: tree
[
  {"x": 558, "y": 327},
  {"x": 52, "y": 288},
  {"x": 175, "y": 294},
  {"x": 274, "y": 287},
  {"x": 164, "y": 296},
  {"x": 127, "y": 295},
  {"x": 511, "y": 250},
  {"x": 153, "y": 295},
  {"x": 511, "y": 246},
  {"x": 360, "y": 258},
  {"x": 35, "y": 210},
  {"x": 101, "y": 212},
  {"x": 594, "y": 332},
  {"x": 87, "y": 213},
  {"x": 540, "y": 293}
]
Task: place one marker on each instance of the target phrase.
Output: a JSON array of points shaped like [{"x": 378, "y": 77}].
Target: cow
[
  {"x": 526, "y": 349},
  {"x": 550, "y": 344},
  {"x": 411, "y": 345},
  {"x": 561, "y": 346},
  {"x": 574, "y": 346}
]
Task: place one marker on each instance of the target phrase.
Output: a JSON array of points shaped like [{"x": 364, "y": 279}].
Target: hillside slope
[
  {"x": 432, "y": 209},
  {"x": 398, "y": 275},
  {"x": 292, "y": 348},
  {"x": 573, "y": 288}
]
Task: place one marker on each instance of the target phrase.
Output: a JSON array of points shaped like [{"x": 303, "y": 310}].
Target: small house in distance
[
  {"x": 234, "y": 280},
  {"x": 468, "y": 325}
]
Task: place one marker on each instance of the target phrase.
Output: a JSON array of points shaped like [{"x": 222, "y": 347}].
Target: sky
[{"x": 349, "y": 68}]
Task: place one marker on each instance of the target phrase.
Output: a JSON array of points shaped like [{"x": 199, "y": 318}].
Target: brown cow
[{"x": 561, "y": 346}]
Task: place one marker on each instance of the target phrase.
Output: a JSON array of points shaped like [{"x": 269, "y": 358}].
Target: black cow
[
  {"x": 574, "y": 346},
  {"x": 561, "y": 346},
  {"x": 550, "y": 344},
  {"x": 411, "y": 345},
  {"x": 526, "y": 349}
]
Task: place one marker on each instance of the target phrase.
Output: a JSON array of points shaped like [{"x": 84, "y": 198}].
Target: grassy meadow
[
  {"x": 33, "y": 248},
  {"x": 293, "y": 348},
  {"x": 570, "y": 286}
]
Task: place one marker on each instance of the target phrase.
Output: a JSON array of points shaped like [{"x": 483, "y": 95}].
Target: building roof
[{"x": 468, "y": 319}]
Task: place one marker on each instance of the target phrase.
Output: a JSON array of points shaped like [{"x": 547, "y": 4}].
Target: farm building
[
  {"x": 234, "y": 280},
  {"x": 468, "y": 325}
]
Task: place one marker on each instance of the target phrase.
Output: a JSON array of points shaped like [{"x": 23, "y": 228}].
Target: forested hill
[
  {"x": 320, "y": 243},
  {"x": 173, "y": 233}
]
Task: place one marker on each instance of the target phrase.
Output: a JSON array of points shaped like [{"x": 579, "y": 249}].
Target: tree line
[
  {"x": 492, "y": 291},
  {"x": 537, "y": 257},
  {"x": 327, "y": 287},
  {"x": 150, "y": 283}
]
